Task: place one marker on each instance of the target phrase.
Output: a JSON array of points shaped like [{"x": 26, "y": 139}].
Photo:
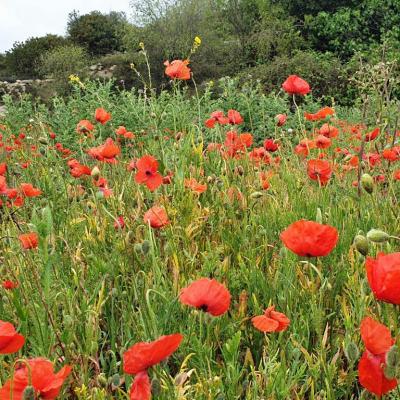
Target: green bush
[
  {"x": 98, "y": 33},
  {"x": 24, "y": 58},
  {"x": 327, "y": 75},
  {"x": 61, "y": 62}
]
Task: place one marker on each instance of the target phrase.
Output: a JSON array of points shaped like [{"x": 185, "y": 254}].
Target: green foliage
[
  {"x": 61, "y": 62},
  {"x": 98, "y": 33},
  {"x": 24, "y": 58},
  {"x": 328, "y": 76},
  {"x": 87, "y": 294},
  {"x": 352, "y": 29}
]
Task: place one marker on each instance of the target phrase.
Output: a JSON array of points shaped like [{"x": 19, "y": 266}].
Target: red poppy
[
  {"x": 329, "y": 131},
  {"x": 10, "y": 340},
  {"x": 156, "y": 216},
  {"x": 102, "y": 116},
  {"x": 390, "y": 155},
  {"x": 234, "y": 117},
  {"x": 84, "y": 126},
  {"x": 10, "y": 285},
  {"x": 323, "y": 142},
  {"x": 147, "y": 172},
  {"x": 296, "y": 85},
  {"x": 309, "y": 238},
  {"x": 141, "y": 387},
  {"x": 29, "y": 191},
  {"x": 320, "y": 114},
  {"x": 371, "y": 368},
  {"x": 217, "y": 117},
  {"x": 195, "y": 186},
  {"x": 106, "y": 152},
  {"x": 40, "y": 375},
  {"x": 77, "y": 170},
  {"x": 319, "y": 170},
  {"x": 29, "y": 240},
  {"x": 122, "y": 131},
  {"x": 3, "y": 168},
  {"x": 280, "y": 119},
  {"x": 396, "y": 175},
  {"x": 207, "y": 295},
  {"x": 271, "y": 321},
  {"x": 372, "y": 135},
  {"x": 270, "y": 145},
  {"x": 177, "y": 69},
  {"x": 260, "y": 155},
  {"x": 119, "y": 223},
  {"x": 141, "y": 356},
  {"x": 3, "y": 185},
  {"x": 384, "y": 277}
]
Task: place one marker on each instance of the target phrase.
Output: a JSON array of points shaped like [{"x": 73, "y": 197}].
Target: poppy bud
[
  {"x": 115, "y": 380},
  {"x": 390, "y": 372},
  {"x": 42, "y": 151},
  {"x": 239, "y": 170},
  {"x": 367, "y": 183},
  {"x": 95, "y": 173},
  {"x": 377, "y": 236},
  {"x": 361, "y": 244},
  {"x": 43, "y": 140},
  {"x": 256, "y": 195},
  {"x": 392, "y": 357},
  {"x": 101, "y": 380},
  {"x": 351, "y": 352},
  {"x": 130, "y": 237},
  {"x": 28, "y": 393},
  {"x": 138, "y": 248},
  {"x": 210, "y": 179},
  {"x": 155, "y": 387},
  {"x": 145, "y": 247}
]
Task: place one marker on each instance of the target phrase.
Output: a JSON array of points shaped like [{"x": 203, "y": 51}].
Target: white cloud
[{"x": 21, "y": 19}]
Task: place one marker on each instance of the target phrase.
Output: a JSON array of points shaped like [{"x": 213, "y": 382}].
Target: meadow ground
[{"x": 99, "y": 241}]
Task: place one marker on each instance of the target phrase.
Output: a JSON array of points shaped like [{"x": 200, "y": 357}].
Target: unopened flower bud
[
  {"x": 101, "y": 380},
  {"x": 256, "y": 195},
  {"x": 318, "y": 217},
  {"x": 367, "y": 182},
  {"x": 393, "y": 357},
  {"x": 43, "y": 140},
  {"x": 155, "y": 387},
  {"x": 377, "y": 236},
  {"x": 351, "y": 352},
  {"x": 95, "y": 172},
  {"x": 28, "y": 393},
  {"x": 145, "y": 247},
  {"x": 361, "y": 244}
]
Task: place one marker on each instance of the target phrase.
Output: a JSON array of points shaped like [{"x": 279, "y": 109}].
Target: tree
[
  {"x": 98, "y": 33},
  {"x": 23, "y": 58}
]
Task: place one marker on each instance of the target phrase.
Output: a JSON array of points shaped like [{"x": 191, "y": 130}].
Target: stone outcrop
[{"x": 19, "y": 87}]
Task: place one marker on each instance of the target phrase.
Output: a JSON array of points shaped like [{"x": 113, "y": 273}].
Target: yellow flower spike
[{"x": 197, "y": 41}]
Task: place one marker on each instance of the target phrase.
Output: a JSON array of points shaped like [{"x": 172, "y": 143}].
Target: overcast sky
[{"x": 21, "y": 19}]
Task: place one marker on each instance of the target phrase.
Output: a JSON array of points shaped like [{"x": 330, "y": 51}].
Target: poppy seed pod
[
  {"x": 361, "y": 244},
  {"x": 377, "y": 236},
  {"x": 367, "y": 182}
]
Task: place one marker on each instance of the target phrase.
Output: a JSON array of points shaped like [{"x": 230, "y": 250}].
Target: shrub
[
  {"x": 98, "y": 33},
  {"x": 60, "y": 63},
  {"x": 328, "y": 75},
  {"x": 24, "y": 57}
]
